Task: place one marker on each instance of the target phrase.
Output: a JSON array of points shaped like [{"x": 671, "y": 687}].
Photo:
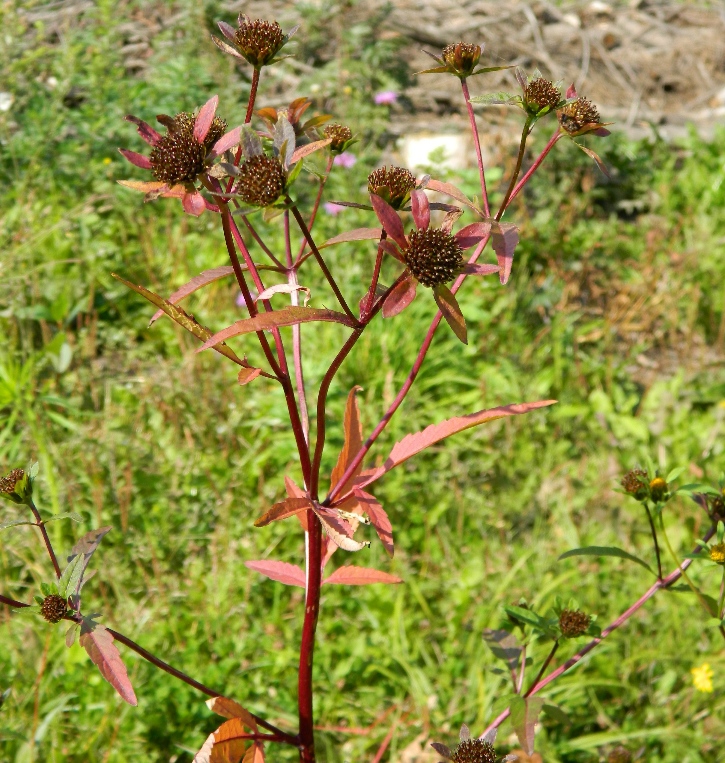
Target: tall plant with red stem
[{"x": 235, "y": 175}]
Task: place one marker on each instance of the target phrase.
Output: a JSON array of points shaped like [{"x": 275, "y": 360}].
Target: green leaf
[
  {"x": 15, "y": 523},
  {"x": 524, "y": 717},
  {"x": 497, "y": 99},
  {"x": 525, "y": 616},
  {"x": 48, "y": 588},
  {"x": 675, "y": 473},
  {"x": 605, "y": 551},
  {"x": 34, "y": 609},
  {"x": 70, "y": 515},
  {"x": 4, "y": 696},
  {"x": 33, "y": 471},
  {"x": 71, "y": 576},
  {"x": 556, "y": 713}
]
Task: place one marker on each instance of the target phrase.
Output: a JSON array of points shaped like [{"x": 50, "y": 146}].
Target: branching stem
[{"x": 477, "y": 144}]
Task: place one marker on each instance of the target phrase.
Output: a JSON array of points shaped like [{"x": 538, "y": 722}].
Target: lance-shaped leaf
[
  {"x": 15, "y": 523},
  {"x": 472, "y": 234},
  {"x": 284, "y": 140},
  {"x": 606, "y": 551},
  {"x": 455, "y": 193},
  {"x": 505, "y": 237},
  {"x": 287, "y": 508},
  {"x": 251, "y": 143},
  {"x": 98, "y": 642},
  {"x": 144, "y": 130},
  {"x": 389, "y": 219},
  {"x": 448, "y": 305},
  {"x": 524, "y": 717},
  {"x": 352, "y": 429},
  {"x": 204, "y": 118},
  {"x": 226, "y": 745},
  {"x": 504, "y": 646},
  {"x": 479, "y": 269},
  {"x": 247, "y": 375},
  {"x": 420, "y": 207},
  {"x": 595, "y": 156},
  {"x": 443, "y": 750},
  {"x": 227, "y": 141},
  {"x": 255, "y": 754},
  {"x": 353, "y": 204},
  {"x": 415, "y": 443},
  {"x": 378, "y": 518},
  {"x": 228, "y": 708},
  {"x": 359, "y": 576},
  {"x": 81, "y": 554},
  {"x": 401, "y": 296},
  {"x": 289, "y": 316},
  {"x": 70, "y": 579},
  {"x": 357, "y": 234},
  {"x": 295, "y": 491},
  {"x": 72, "y": 515},
  {"x": 139, "y": 160},
  {"x": 310, "y": 148},
  {"x": 282, "y": 572},
  {"x": 180, "y": 316}
]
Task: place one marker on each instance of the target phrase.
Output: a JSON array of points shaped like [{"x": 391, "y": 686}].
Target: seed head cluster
[
  {"x": 462, "y": 56},
  {"x": 474, "y": 751},
  {"x": 340, "y": 134},
  {"x": 261, "y": 180},
  {"x": 541, "y": 93},
  {"x": 258, "y": 40},
  {"x": 394, "y": 182},
  {"x": 636, "y": 483},
  {"x": 433, "y": 256},
  {"x": 8, "y": 483},
  {"x": 573, "y": 623},
  {"x": 619, "y": 755},
  {"x": 577, "y": 115},
  {"x": 717, "y": 553},
  {"x": 179, "y": 157},
  {"x": 53, "y": 608}
]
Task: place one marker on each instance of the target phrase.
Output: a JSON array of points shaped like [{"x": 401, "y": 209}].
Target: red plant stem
[
  {"x": 46, "y": 539},
  {"x": 477, "y": 144},
  {"x": 384, "y": 746},
  {"x": 307, "y": 646},
  {"x": 519, "y": 161},
  {"x": 296, "y": 332},
  {"x": 252, "y": 230},
  {"x": 525, "y": 179},
  {"x": 668, "y": 581},
  {"x": 323, "y": 266},
  {"x": 543, "y": 668},
  {"x": 321, "y": 405},
  {"x": 12, "y": 602},
  {"x": 403, "y": 390},
  {"x": 252, "y": 96},
  {"x": 370, "y": 296},
  {"x": 315, "y": 207}
]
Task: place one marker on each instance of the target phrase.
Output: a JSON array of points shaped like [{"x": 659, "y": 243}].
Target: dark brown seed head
[
  {"x": 179, "y": 157},
  {"x": 261, "y": 181},
  {"x": 573, "y": 623},
  {"x": 7, "y": 484},
  {"x": 433, "y": 256},
  {"x": 577, "y": 115},
  {"x": 258, "y": 40},
  {"x": 636, "y": 484},
  {"x": 619, "y": 755},
  {"x": 462, "y": 56},
  {"x": 54, "y": 608},
  {"x": 474, "y": 751},
  {"x": 393, "y": 184},
  {"x": 340, "y": 134},
  {"x": 541, "y": 93},
  {"x": 658, "y": 489}
]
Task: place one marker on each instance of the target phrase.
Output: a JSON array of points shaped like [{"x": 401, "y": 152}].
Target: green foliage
[{"x": 615, "y": 307}]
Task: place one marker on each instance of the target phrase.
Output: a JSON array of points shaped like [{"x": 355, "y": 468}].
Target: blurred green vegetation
[{"x": 615, "y": 308}]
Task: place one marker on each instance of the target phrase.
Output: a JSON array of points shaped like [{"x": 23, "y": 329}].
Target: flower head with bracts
[
  {"x": 472, "y": 750},
  {"x": 182, "y": 156},
  {"x": 433, "y": 257}
]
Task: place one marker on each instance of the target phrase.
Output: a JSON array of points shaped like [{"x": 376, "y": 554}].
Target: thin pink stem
[
  {"x": 477, "y": 144},
  {"x": 385, "y": 744},
  {"x": 525, "y": 179},
  {"x": 403, "y": 390},
  {"x": 315, "y": 207},
  {"x": 668, "y": 581}
]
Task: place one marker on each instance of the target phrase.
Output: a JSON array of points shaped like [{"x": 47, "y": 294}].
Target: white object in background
[{"x": 417, "y": 148}]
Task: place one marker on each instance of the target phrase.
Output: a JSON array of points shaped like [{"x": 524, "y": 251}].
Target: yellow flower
[
  {"x": 107, "y": 160},
  {"x": 702, "y": 678}
]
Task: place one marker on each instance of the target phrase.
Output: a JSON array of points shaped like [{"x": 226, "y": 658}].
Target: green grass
[{"x": 615, "y": 308}]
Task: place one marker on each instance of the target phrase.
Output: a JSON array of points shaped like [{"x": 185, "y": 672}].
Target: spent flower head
[
  {"x": 571, "y": 622},
  {"x": 392, "y": 184},
  {"x": 472, "y": 750},
  {"x": 255, "y": 40},
  {"x": 340, "y": 136},
  {"x": 579, "y": 116},
  {"x": 460, "y": 59},
  {"x": 54, "y": 608},
  {"x": 17, "y": 486},
  {"x": 636, "y": 483}
]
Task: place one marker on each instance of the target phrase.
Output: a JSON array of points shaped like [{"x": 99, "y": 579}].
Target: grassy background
[{"x": 615, "y": 308}]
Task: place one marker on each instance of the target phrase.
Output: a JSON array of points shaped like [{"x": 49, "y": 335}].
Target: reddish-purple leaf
[
  {"x": 86, "y": 546},
  {"x": 412, "y": 444},
  {"x": 448, "y": 305},
  {"x": 571, "y": 92},
  {"x": 400, "y": 297},
  {"x": 227, "y": 141},
  {"x": 247, "y": 375},
  {"x": 602, "y": 132},
  {"x": 472, "y": 234},
  {"x": 450, "y": 190},
  {"x": 420, "y": 206},
  {"x": 228, "y": 708},
  {"x": 284, "y": 509},
  {"x": 352, "y": 429},
  {"x": 295, "y": 491},
  {"x": 359, "y": 576},
  {"x": 98, "y": 642},
  {"x": 476, "y": 269},
  {"x": 357, "y": 234},
  {"x": 204, "y": 118},
  {"x": 145, "y": 186},
  {"x": 193, "y": 203},
  {"x": 180, "y": 316},
  {"x": 204, "y": 278},
  {"x": 310, "y": 148},
  {"x": 282, "y": 572},
  {"x": 227, "y": 30},
  {"x": 390, "y": 248},
  {"x": 390, "y": 221},
  {"x": 378, "y": 518},
  {"x": 524, "y": 717},
  {"x": 521, "y": 77},
  {"x": 226, "y": 48},
  {"x": 144, "y": 130},
  {"x": 226, "y": 745},
  {"x": 442, "y": 750},
  {"x": 137, "y": 159},
  {"x": 504, "y": 646},
  {"x": 596, "y": 158},
  {"x": 289, "y": 316},
  {"x": 505, "y": 237}
]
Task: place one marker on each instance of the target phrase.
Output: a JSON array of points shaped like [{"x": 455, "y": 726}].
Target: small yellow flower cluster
[{"x": 702, "y": 677}]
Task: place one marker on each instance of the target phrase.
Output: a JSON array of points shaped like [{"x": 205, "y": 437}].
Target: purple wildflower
[
  {"x": 333, "y": 209},
  {"x": 386, "y": 98},
  {"x": 345, "y": 159}
]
